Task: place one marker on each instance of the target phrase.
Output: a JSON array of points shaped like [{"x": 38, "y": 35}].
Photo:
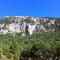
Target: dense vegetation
[{"x": 40, "y": 46}]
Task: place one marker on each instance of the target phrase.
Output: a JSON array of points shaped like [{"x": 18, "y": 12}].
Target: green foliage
[{"x": 36, "y": 44}]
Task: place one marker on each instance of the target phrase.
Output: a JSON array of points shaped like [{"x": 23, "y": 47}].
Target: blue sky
[{"x": 42, "y": 8}]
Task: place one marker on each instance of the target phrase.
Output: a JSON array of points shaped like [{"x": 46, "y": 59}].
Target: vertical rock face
[
  {"x": 57, "y": 25},
  {"x": 18, "y": 24}
]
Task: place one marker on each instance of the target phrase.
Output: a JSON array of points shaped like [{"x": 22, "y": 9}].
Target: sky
[{"x": 36, "y": 8}]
